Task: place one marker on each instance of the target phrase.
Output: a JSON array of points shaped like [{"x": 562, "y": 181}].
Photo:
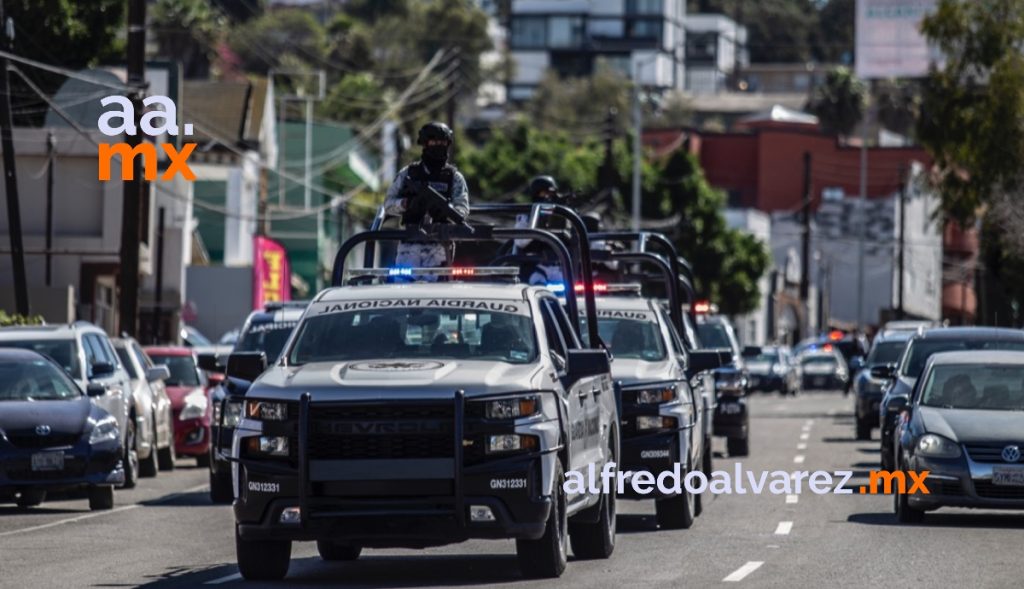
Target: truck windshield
[
  {"x": 399, "y": 333},
  {"x": 630, "y": 339},
  {"x": 268, "y": 338},
  {"x": 714, "y": 336}
]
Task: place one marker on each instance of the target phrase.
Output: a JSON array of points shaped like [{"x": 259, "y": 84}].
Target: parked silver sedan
[{"x": 154, "y": 424}]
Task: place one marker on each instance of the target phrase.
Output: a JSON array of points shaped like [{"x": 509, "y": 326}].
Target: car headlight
[
  {"x": 779, "y": 369},
  {"x": 232, "y": 413},
  {"x": 195, "y": 406},
  {"x": 268, "y": 445},
  {"x": 512, "y": 407},
  {"x": 733, "y": 382},
  {"x": 654, "y": 422},
  {"x": 105, "y": 430},
  {"x": 936, "y": 446},
  {"x": 266, "y": 410},
  {"x": 498, "y": 444},
  {"x": 656, "y": 396}
]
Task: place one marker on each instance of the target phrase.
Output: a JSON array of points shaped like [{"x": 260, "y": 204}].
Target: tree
[
  {"x": 839, "y": 101},
  {"x": 261, "y": 43},
  {"x": 357, "y": 99},
  {"x": 834, "y": 41},
  {"x": 187, "y": 31},
  {"x": 777, "y": 30},
  {"x": 581, "y": 105},
  {"x": 899, "y": 105}
]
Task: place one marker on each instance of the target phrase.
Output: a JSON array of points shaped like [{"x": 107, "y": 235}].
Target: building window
[
  {"x": 647, "y": 28},
  {"x": 701, "y": 48},
  {"x": 572, "y": 64},
  {"x": 618, "y": 63},
  {"x": 565, "y": 31},
  {"x": 645, "y": 7},
  {"x": 528, "y": 32}
]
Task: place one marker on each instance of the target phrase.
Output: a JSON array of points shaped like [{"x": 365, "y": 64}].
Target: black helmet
[
  {"x": 540, "y": 186},
  {"x": 435, "y": 130}
]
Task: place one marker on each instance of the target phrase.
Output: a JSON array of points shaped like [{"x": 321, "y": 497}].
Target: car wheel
[
  {"x": 101, "y": 498},
  {"x": 596, "y": 540},
  {"x": 333, "y": 551},
  {"x": 165, "y": 457},
  {"x": 676, "y": 513},
  {"x": 706, "y": 465},
  {"x": 221, "y": 489},
  {"x": 265, "y": 560},
  {"x": 148, "y": 467},
  {"x": 547, "y": 556},
  {"x": 203, "y": 460},
  {"x": 738, "y": 446},
  {"x": 905, "y": 514},
  {"x": 863, "y": 430},
  {"x": 131, "y": 455},
  {"x": 30, "y": 498}
]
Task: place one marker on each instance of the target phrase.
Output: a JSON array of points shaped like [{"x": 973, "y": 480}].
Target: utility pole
[
  {"x": 128, "y": 277},
  {"x": 637, "y": 124},
  {"x": 805, "y": 236},
  {"x": 862, "y": 219},
  {"x": 606, "y": 175},
  {"x": 902, "y": 243},
  {"x": 158, "y": 310},
  {"x": 10, "y": 176},
  {"x": 453, "y": 101},
  {"x": 51, "y": 158}
]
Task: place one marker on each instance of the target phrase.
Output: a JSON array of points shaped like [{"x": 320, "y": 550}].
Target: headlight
[
  {"x": 732, "y": 382},
  {"x": 656, "y": 396},
  {"x": 268, "y": 445},
  {"x": 266, "y": 410},
  {"x": 779, "y": 369},
  {"x": 649, "y": 422},
  {"x": 195, "y": 406},
  {"x": 510, "y": 443},
  {"x": 232, "y": 413},
  {"x": 105, "y": 430},
  {"x": 513, "y": 407},
  {"x": 935, "y": 446}
]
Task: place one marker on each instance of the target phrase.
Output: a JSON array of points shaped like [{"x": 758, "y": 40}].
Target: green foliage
[
  {"x": 839, "y": 102},
  {"x": 899, "y": 105},
  {"x": 73, "y": 33},
  {"x": 789, "y": 30},
  {"x": 356, "y": 99},
  {"x": 972, "y": 119},
  {"x": 262, "y": 43},
  {"x": 12, "y": 320},
  {"x": 581, "y": 105},
  {"x": 186, "y": 31},
  {"x": 727, "y": 263}
]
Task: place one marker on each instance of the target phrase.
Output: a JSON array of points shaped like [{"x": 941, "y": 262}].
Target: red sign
[{"x": 271, "y": 274}]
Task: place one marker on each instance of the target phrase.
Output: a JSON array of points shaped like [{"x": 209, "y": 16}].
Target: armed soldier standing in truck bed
[{"x": 434, "y": 171}]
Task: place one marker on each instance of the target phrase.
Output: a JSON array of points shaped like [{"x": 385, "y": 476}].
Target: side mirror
[
  {"x": 883, "y": 372},
  {"x": 751, "y": 351},
  {"x": 209, "y": 363},
  {"x": 246, "y": 365},
  {"x": 101, "y": 369},
  {"x": 215, "y": 378},
  {"x": 584, "y": 363},
  {"x": 856, "y": 363},
  {"x": 95, "y": 389},
  {"x": 704, "y": 360},
  {"x": 156, "y": 373},
  {"x": 897, "y": 404}
]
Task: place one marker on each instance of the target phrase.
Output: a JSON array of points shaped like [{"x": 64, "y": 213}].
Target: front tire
[
  {"x": 676, "y": 513},
  {"x": 221, "y": 489},
  {"x": 30, "y": 498},
  {"x": 738, "y": 446},
  {"x": 905, "y": 514},
  {"x": 149, "y": 467},
  {"x": 596, "y": 540},
  {"x": 332, "y": 551},
  {"x": 262, "y": 560},
  {"x": 863, "y": 430},
  {"x": 131, "y": 455},
  {"x": 101, "y": 498},
  {"x": 547, "y": 556},
  {"x": 203, "y": 460}
]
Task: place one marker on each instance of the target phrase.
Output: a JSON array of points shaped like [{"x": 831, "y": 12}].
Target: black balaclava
[{"x": 435, "y": 156}]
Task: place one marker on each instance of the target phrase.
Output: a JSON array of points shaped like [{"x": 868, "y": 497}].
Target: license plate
[
  {"x": 731, "y": 408},
  {"x": 1008, "y": 476},
  {"x": 44, "y": 461}
]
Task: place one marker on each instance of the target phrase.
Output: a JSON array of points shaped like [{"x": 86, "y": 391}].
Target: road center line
[
  {"x": 804, "y": 436},
  {"x": 792, "y": 498},
  {"x": 226, "y": 579},
  {"x": 798, "y": 459},
  {"x": 783, "y": 528},
  {"x": 742, "y": 572},
  {"x": 801, "y": 446},
  {"x": 69, "y": 520}
]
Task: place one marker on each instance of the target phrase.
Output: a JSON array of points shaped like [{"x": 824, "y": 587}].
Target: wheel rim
[
  {"x": 563, "y": 524},
  {"x": 131, "y": 450}
]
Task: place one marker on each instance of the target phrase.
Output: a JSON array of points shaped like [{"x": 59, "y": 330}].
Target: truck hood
[
  {"x": 367, "y": 380},
  {"x": 641, "y": 371},
  {"x": 968, "y": 426}
]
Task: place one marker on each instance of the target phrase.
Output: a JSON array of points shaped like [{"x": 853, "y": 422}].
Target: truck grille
[{"x": 353, "y": 432}]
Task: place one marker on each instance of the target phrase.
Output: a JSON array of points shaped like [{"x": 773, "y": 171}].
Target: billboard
[
  {"x": 889, "y": 43},
  {"x": 271, "y": 274}
]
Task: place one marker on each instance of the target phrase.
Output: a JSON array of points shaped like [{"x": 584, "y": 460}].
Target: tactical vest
[{"x": 442, "y": 180}]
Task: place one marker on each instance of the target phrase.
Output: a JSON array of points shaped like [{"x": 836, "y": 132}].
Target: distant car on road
[
  {"x": 823, "y": 369},
  {"x": 868, "y": 390},
  {"x": 153, "y": 422},
  {"x": 770, "y": 368},
  {"x": 732, "y": 421},
  {"x": 51, "y": 436},
  {"x": 85, "y": 353},
  {"x": 903, "y": 377},
  {"x": 190, "y": 401},
  {"x": 964, "y": 424}
]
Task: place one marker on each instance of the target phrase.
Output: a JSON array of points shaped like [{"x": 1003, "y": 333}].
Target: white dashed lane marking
[
  {"x": 799, "y": 459},
  {"x": 227, "y": 579},
  {"x": 792, "y": 498},
  {"x": 804, "y": 436},
  {"x": 742, "y": 572},
  {"x": 783, "y": 528},
  {"x": 801, "y": 446}
]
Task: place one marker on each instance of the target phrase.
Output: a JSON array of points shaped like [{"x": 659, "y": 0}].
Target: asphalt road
[{"x": 167, "y": 534}]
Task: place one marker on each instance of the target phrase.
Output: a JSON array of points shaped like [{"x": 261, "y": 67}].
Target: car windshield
[
  {"x": 268, "y": 338},
  {"x": 35, "y": 380},
  {"x": 126, "y": 361},
  {"x": 769, "y": 357},
  {"x": 195, "y": 339},
  {"x": 60, "y": 351},
  {"x": 886, "y": 353},
  {"x": 818, "y": 361},
  {"x": 414, "y": 332},
  {"x": 996, "y": 387},
  {"x": 182, "y": 368},
  {"x": 920, "y": 350},
  {"x": 713, "y": 336},
  {"x": 635, "y": 340}
]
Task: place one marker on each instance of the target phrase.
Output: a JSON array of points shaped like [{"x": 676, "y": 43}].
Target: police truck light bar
[
  {"x": 453, "y": 272},
  {"x": 599, "y": 288}
]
